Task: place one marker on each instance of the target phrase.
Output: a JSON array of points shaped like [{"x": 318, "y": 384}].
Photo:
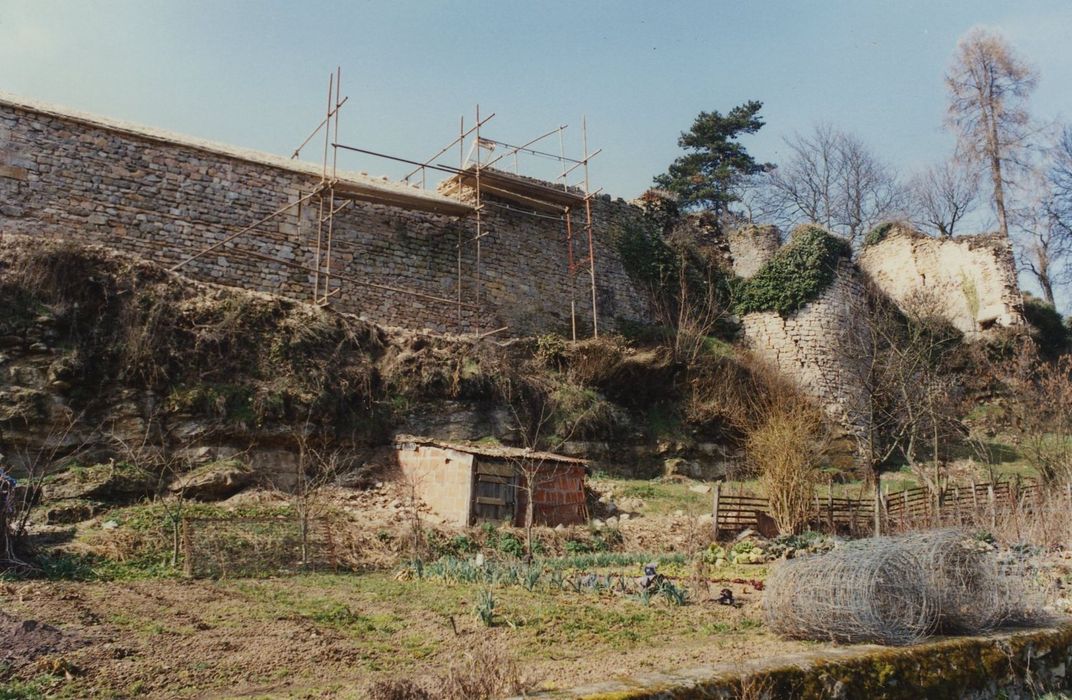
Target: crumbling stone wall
[
  {"x": 970, "y": 279},
  {"x": 751, "y": 246},
  {"x": 166, "y": 197},
  {"x": 810, "y": 346}
]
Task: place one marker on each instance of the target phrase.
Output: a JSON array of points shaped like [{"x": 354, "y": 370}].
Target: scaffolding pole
[
  {"x": 479, "y": 216},
  {"x": 461, "y": 164},
  {"x": 588, "y": 228}
]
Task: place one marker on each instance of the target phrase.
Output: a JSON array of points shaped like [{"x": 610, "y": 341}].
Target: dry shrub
[
  {"x": 484, "y": 673},
  {"x": 739, "y": 390},
  {"x": 785, "y": 451},
  {"x": 1042, "y": 415},
  {"x": 397, "y": 689},
  {"x": 1044, "y": 520}
]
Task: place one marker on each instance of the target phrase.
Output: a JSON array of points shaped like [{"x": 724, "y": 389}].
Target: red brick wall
[{"x": 559, "y": 496}]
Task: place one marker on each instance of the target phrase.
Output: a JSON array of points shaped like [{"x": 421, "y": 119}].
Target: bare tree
[
  {"x": 942, "y": 195},
  {"x": 901, "y": 360},
  {"x": 533, "y": 414},
  {"x": 162, "y": 471},
  {"x": 1045, "y": 245},
  {"x": 988, "y": 86},
  {"x": 317, "y": 466},
  {"x": 22, "y": 483},
  {"x": 833, "y": 179}
]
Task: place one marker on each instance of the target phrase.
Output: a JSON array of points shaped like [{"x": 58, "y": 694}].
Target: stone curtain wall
[
  {"x": 166, "y": 197},
  {"x": 523, "y": 253},
  {"x": 971, "y": 279},
  {"x": 810, "y": 346}
]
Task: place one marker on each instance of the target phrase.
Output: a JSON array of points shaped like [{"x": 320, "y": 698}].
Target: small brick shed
[{"x": 467, "y": 484}]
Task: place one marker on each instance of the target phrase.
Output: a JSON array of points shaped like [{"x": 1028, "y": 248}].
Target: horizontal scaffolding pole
[{"x": 523, "y": 147}]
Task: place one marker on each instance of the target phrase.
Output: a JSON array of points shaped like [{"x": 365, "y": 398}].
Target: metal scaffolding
[{"x": 475, "y": 181}]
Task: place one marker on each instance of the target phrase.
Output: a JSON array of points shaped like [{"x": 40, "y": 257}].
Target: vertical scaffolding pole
[
  {"x": 461, "y": 166},
  {"x": 588, "y": 229},
  {"x": 571, "y": 270},
  {"x": 479, "y": 216},
  {"x": 331, "y": 183}
]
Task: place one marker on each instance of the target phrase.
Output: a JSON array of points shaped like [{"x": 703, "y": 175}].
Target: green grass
[{"x": 661, "y": 498}]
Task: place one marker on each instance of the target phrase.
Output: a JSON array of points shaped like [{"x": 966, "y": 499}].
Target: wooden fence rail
[{"x": 958, "y": 504}]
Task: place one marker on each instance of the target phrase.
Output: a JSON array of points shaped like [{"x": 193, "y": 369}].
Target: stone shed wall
[
  {"x": 810, "y": 346},
  {"x": 443, "y": 478},
  {"x": 166, "y": 197},
  {"x": 972, "y": 279}
]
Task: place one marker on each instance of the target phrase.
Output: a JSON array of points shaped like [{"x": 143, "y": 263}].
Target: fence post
[
  {"x": 878, "y": 506},
  {"x": 187, "y": 554},
  {"x": 716, "y": 493},
  {"x": 993, "y": 506},
  {"x": 975, "y": 504},
  {"x": 1068, "y": 492},
  {"x": 830, "y": 507}
]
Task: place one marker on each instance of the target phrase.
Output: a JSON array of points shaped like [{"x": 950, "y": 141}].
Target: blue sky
[{"x": 254, "y": 73}]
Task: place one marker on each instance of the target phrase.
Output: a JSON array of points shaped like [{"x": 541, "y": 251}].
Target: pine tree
[{"x": 706, "y": 176}]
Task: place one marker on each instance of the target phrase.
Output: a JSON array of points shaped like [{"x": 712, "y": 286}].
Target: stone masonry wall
[
  {"x": 166, "y": 197},
  {"x": 971, "y": 279},
  {"x": 751, "y": 247},
  {"x": 443, "y": 478},
  {"x": 809, "y": 346}
]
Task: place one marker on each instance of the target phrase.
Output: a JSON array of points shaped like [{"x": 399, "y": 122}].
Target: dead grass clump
[
  {"x": 484, "y": 673},
  {"x": 397, "y": 689},
  {"x": 595, "y": 361}
]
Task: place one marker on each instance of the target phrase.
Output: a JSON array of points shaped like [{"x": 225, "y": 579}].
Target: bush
[
  {"x": 785, "y": 451},
  {"x": 1053, "y": 337},
  {"x": 879, "y": 233},
  {"x": 795, "y": 276}
]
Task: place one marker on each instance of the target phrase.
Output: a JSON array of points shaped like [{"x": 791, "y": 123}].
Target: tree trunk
[
  {"x": 530, "y": 513},
  {"x": 1047, "y": 285}
]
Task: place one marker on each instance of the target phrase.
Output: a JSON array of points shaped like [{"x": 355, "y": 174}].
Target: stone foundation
[{"x": 1009, "y": 665}]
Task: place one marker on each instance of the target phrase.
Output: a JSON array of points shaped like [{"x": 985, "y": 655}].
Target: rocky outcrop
[{"x": 214, "y": 481}]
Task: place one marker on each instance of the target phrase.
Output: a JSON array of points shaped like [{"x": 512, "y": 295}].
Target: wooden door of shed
[{"x": 496, "y": 492}]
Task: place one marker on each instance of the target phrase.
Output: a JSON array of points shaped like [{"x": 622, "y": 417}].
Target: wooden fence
[{"x": 958, "y": 504}]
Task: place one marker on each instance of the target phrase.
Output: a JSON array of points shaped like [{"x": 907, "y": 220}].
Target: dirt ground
[{"x": 331, "y": 635}]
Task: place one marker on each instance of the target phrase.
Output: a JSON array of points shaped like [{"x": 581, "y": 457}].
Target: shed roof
[{"x": 491, "y": 451}]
